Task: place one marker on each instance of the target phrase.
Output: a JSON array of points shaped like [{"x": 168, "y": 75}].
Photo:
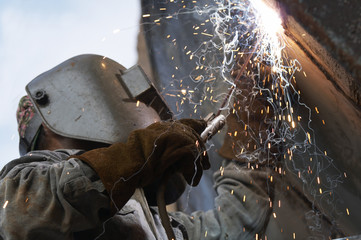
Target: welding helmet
[{"x": 93, "y": 98}]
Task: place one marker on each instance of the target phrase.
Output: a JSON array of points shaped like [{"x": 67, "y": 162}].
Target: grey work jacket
[{"x": 45, "y": 196}]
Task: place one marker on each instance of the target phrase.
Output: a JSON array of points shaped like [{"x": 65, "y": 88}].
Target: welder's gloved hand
[{"x": 147, "y": 155}]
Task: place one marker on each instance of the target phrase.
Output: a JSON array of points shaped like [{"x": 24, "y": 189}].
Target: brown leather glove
[{"x": 147, "y": 154}]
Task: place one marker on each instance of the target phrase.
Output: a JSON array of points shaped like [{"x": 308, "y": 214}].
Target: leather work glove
[{"x": 147, "y": 155}]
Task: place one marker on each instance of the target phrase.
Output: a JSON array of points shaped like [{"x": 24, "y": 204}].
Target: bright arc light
[
  {"x": 184, "y": 91},
  {"x": 269, "y": 17}
]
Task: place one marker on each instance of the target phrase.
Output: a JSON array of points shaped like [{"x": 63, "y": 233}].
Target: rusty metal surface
[
  {"x": 326, "y": 36},
  {"x": 331, "y": 32},
  {"x": 339, "y": 136}
]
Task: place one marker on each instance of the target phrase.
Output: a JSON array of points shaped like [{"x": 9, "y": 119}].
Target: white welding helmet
[{"x": 94, "y": 98}]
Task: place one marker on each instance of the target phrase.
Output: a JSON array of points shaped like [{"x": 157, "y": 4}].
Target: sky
[{"x": 35, "y": 36}]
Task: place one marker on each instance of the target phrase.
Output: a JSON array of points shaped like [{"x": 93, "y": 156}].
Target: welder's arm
[
  {"x": 49, "y": 195},
  {"x": 43, "y": 196},
  {"x": 147, "y": 155},
  {"x": 242, "y": 207}
]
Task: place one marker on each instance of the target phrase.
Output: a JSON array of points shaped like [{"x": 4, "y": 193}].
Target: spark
[
  {"x": 206, "y": 34},
  {"x": 5, "y": 204},
  {"x": 221, "y": 170},
  {"x": 248, "y": 37},
  {"x": 309, "y": 137},
  {"x": 184, "y": 91}
]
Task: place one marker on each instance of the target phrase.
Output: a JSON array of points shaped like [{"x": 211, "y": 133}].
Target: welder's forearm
[
  {"x": 244, "y": 194},
  {"x": 56, "y": 197},
  {"x": 241, "y": 209}
]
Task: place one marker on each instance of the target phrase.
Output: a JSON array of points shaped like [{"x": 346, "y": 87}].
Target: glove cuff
[{"x": 114, "y": 177}]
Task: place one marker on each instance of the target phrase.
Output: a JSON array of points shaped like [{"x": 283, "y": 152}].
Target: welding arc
[{"x": 238, "y": 77}]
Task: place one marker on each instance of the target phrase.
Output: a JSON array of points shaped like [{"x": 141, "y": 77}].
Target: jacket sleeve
[
  {"x": 45, "y": 196},
  {"x": 242, "y": 206}
]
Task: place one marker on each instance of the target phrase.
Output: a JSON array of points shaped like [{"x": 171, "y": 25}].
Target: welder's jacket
[{"x": 45, "y": 196}]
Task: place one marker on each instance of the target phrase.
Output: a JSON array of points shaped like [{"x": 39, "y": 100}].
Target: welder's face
[{"x": 48, "y": 140}]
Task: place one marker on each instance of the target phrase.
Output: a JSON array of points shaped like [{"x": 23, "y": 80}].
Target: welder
[{"x": 96, "y": 141}]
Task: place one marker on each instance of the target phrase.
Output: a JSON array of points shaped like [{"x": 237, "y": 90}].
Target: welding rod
[{"x": 238, "y": 77}]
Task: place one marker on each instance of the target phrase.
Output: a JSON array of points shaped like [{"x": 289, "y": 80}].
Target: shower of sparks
[
  {"x": 246, "y": 48},
  {"x": 241, "y": 66}
]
